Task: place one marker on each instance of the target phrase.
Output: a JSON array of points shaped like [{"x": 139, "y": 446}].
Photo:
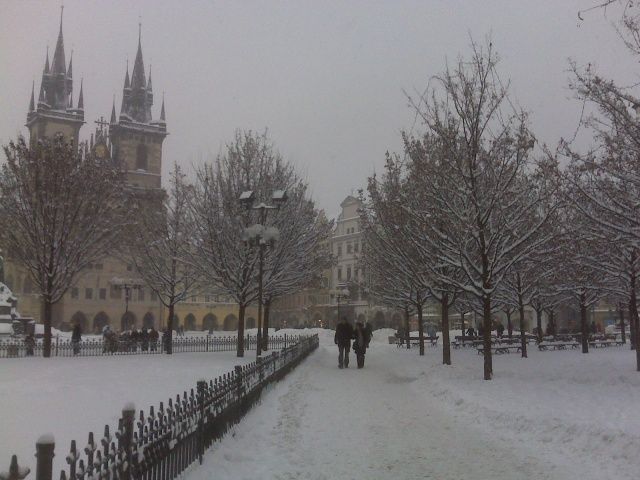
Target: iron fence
[
  {"x": 65, "y": 347},
  {"x": 162, "y": 443}
]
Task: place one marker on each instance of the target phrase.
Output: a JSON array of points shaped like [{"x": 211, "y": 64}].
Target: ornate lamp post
[
  {"x": 127, "y": 286},
  {"x": 259, "y": 235},
  {"x": 339, "y": 293}
]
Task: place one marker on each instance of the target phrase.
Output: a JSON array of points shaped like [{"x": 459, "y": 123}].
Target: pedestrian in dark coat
[
  {"x": 342, "y": 338},
  {"x": 360, "y": 343},
  {"x": 76, "y": 336},
  {"x": 153, "y": 338}
]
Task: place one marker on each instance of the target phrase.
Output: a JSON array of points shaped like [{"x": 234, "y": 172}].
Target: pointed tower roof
[
  {"x": 162, "y": 115},
  {"x": 127, "y": 82},
  {"x": 70, "y": 69},
  {"x": 113, "y": 111},
  {"x": 137, "y": 76},
  {"x": 32, "y": 104},
  {"x": 149, "y": 87},
  {"x": 81, "y": 98},
  {"x": 59, "y": 64},
  {"x": 46, "y": 63}
]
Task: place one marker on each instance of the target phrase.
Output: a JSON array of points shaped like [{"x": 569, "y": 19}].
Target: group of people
[
  {"x": 145, "y": 339},
  {"x": 361, "y": 336}
]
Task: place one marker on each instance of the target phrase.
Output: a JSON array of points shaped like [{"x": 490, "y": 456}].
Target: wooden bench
[
  {"x": 501, "y": 349},
  {"x": 416, "y": 340},
  {"x": 557, "y": 346}
]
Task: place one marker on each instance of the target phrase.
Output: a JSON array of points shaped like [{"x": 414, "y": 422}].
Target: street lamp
[
  {"x": 127, "y": 286},
  {"x": 339, "y": 293},
  {"x": 259, "y": 235}
]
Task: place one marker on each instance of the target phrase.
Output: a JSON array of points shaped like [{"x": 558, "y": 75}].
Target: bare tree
[
  {"x": 61, "y": 209},
  {"x": 486, "y": 145},
  {"x": 301, "y": 253},
  {"x": 161, "y": 246},
  {"x": 225, "y": 257},
  {"x": 398, "y": 275}
]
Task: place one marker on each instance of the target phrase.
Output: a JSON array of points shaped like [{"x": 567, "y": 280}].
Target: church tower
[
  {"x": 136, "y": 139},
  {"x": 54, "y": 112}
]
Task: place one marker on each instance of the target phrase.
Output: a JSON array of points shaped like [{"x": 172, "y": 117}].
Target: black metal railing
[
  {"x": 162, "y": 443},
  {"x": 65, "y": 347}
]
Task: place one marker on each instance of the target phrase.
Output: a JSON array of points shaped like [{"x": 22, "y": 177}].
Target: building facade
[{"x": 108, "y": 292}]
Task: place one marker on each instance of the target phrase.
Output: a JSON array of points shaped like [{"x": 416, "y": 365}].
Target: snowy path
[{"x": 326, "y": 423}]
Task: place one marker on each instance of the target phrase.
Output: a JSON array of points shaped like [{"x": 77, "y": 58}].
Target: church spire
[
  {"x": 70, "y": 69},
  {"x": 46, "y": 63},
  {"x": 113, "y": 111},
  {"x": 162, "y": 115},
  {"x": 137, "y": 76},
  {"x": 127, "y": 83},
  {"x": 81, "y": 98},
  {"x": 32, "y": 103},
  {"x": 59, "y": 64},
  {"x": 149, "y": 87}
]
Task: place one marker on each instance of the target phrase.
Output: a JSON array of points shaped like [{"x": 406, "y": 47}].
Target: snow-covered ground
[
  {"x": 555, "y": 415},
  {"x": 71, "y": 396}
]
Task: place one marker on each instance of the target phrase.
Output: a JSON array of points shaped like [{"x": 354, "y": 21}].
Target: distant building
[{"x": 108, "y": 291}]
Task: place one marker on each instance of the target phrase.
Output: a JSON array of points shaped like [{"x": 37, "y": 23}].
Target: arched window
[
  {"x": 210, "y": 322},
  {"x": 99, "y": 321},
  {"x": 190, "y": 322},
  {"x": 230, "y": 322},
  {"x": 141, "y": 157}
]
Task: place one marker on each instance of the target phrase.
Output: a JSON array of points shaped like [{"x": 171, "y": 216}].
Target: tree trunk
[
  {"x": 240, "y": 349},
  {"x": 407, "y": 333},
  {"x": 584, "y": 326},
  {"x": 446, "y": 344},
  {"x": 265, "y": 325},
  {"x": 523, "y": 335},
  {"x": 633, "y": 313},
  {"x": 420, "y": 329},
  {"x": 539, "y": 323},
  {"x": 622, "y": 326},
  {"x": 551, "y": 326},
  {"x": 509, "y": 324},
  {"x": 168, "y": 341},
  {"x": 47, "y": 308},
  {"x": 488, "y": 363},
  {"x": 462, "y": 323}
]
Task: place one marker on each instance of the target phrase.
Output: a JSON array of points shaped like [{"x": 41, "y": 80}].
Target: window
[
  {"x": 115, "y": 292},
  {"x": 339, "y": 274},
  {"x": 141, "y": 294},
  {"x": 98, "y": 266},
  {"x": 207, "y": 298},
  {"x": 194, "y": 299},
  {"x": 74, "y": 292},
  {"x": 141, "y": 157},
  {"x": 349, "y": 247},
  {"x": 88, "y": 293},
  {"x": 102, "y": 294},
  {"x": 348, "y": 273},
  {"x": 339, "y": 249},
  {"x": 356, "y": 247},
  {"x": 153, "y": 296}
]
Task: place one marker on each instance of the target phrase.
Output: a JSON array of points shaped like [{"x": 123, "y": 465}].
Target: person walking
[
  {"x": 76, "y": 336},
  {"x": 360, "y": 343},
  {"x": 342, "y": 338}
]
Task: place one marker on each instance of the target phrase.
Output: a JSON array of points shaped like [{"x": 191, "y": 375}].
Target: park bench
[
  {"x": 544, "y": 346},
  {"x": 603, "y": 343},
  {"x": 416, "y": 340},
  {"x": 501, "y": 349}
]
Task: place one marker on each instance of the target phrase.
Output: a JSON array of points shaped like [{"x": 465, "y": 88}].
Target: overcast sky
[{"x": 325, "y": 77}]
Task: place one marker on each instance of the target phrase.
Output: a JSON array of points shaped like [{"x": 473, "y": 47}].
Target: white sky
[{"x": 325, "y": 77}]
